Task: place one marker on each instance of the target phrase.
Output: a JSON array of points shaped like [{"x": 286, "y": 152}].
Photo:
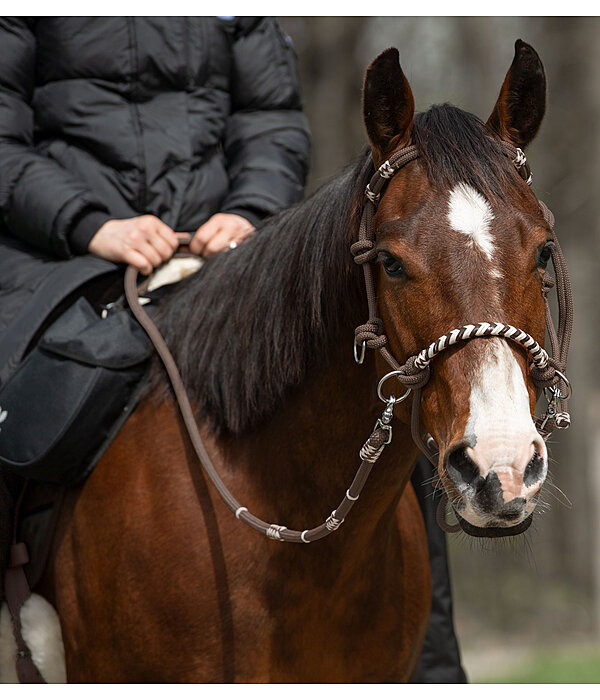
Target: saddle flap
[{"x": 115, "y": 342}]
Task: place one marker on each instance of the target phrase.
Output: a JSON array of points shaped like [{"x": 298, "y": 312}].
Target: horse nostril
[
  {"x": 534, "y": 471},
  {"x": 461, "y": 468}
]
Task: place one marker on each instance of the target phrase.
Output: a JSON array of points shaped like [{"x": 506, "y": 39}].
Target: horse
[{"x": 156, "y": 580}]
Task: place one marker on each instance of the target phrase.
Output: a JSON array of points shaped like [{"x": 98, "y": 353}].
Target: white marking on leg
[
  {"x": 41, "y": 632},
  {"x": 470, "y": 213}
]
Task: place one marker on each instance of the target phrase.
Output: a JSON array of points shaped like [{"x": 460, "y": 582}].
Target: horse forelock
[
  {"x": 457, "y": 147},
  {"x": 245, "y": 328}
]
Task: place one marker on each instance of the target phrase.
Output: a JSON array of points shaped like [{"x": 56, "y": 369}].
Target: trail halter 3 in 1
[{"x": 548, "y": 373}]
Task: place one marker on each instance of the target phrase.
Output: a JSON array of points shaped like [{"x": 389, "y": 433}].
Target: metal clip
[
  {"x": 383, "y": 423},
  {"x": 550, "y": 413},
  {"x": 359, "y": 359}
]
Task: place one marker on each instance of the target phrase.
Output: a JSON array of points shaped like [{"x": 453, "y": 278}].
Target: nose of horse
[{"x": 498, "y": 484}]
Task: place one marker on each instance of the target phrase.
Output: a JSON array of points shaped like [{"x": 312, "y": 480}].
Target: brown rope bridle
[{"x": 547, "y": 373}]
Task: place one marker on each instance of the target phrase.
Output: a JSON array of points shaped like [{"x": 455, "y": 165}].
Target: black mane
[{"x": 245, "y": 329}]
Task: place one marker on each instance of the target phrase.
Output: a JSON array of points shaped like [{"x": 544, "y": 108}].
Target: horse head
[{"x": 461, "y": 239}]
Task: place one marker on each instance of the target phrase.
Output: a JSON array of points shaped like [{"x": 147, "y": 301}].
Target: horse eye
[
  {"x": 544, "y": 255},
  {"x": 392, "y": 266}
]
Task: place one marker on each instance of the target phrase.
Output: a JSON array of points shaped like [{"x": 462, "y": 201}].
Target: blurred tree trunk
[
  {"x": 571, "y": 174},
  {"x": 332, "y": 85}
]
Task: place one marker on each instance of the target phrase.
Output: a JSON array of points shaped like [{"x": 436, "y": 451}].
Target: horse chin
[{"x": 494, "y": 531}]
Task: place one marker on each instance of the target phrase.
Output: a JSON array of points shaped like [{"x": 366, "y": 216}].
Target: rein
[
  {"x": 548, "y": 373},
  {"x": 369, "y": 453}
]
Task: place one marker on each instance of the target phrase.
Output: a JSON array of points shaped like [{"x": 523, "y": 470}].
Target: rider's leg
[{"x": 440, "y": 658}]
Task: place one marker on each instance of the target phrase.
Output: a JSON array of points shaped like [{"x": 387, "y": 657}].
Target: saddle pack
[{"x": 74, "y": 360}]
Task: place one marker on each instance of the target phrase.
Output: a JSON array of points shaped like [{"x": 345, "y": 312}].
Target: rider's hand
[
  {"x": 218, "y": 232},
  {"x": 144, "y": 242}
]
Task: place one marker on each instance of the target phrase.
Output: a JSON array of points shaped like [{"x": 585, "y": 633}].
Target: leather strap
[
  {"x": 17, "y": 592},
  {"x": 370, "y": 452}
]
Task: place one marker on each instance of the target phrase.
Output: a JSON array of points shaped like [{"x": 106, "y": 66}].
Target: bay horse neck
[
  {"x": 249, "y": 325},
  {"x": 325, "y": 405},
  {"x": 296, "y": 467}
]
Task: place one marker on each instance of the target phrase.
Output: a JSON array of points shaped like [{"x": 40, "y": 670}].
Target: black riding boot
[{"x": 440, "y": 657}]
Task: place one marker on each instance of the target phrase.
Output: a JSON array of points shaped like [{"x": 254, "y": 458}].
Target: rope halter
[{"x": 547, "y": 373}]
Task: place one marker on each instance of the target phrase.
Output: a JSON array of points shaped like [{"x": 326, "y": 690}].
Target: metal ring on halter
[
  {"x": 392, "y": 399},
  {"x": 359, "y": 359},
  {"x": 557, "y": 394}
]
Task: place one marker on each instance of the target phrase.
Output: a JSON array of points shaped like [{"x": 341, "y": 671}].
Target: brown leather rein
[{"x": 548, "y": 373}]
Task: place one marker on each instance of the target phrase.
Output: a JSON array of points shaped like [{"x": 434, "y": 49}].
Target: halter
[{"x": 547, "y": 373}]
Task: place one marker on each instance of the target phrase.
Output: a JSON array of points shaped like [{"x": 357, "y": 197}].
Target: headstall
[{"x": 548, "y": 373}]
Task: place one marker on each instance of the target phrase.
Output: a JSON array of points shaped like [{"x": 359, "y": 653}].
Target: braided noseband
[{"x": 547, "y": 373}]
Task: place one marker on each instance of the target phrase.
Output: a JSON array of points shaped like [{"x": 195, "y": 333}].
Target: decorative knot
[
  {"x": 563, "y": 420},
  {"x": 520, "y": 159},
  {"x": 374, "y": 446},
  {"x": 412, "y": 377},
  {"x": 371, "y": 334},
  {"x": 363, "y": 251},
  {"x": 332, "y": 523},
  {"x": 373, "y": 197},
  {"x": 547, "y": 377},
  {"x": 378, "y": 438},
  {"x": 547, "y": 283},
  {"x": 386, "y": 170}
]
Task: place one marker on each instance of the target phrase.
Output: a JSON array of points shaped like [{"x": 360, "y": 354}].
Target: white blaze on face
[
  {"x": 500, "y": 426},
  {"x": 471, "y": 214}
]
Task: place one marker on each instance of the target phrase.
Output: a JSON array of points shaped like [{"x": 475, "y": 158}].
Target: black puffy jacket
[{"x": 113, "y": 117}]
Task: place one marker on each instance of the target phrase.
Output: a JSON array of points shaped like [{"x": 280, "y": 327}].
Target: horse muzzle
[{"x": 495, "y": 496}]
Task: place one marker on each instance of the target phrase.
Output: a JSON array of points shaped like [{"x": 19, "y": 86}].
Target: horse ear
[
  {"x": 388, "y": 106},
  {"x": 522, "y": 101}
]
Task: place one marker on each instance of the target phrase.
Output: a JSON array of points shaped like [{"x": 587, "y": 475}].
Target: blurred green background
[{"x": 526, "y": 610}]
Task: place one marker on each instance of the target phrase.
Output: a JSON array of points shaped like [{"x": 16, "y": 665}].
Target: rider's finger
[
  {"x": 135, "y": 258},
  {"x": 149, "y": 252},
  {"x": 161, "y": 244},
  {"x": 217, "y": 243},
  {"x": 204, "y": 234}
]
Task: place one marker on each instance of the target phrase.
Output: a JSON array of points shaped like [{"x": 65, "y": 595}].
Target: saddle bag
[{"x": 67, "y": 400}]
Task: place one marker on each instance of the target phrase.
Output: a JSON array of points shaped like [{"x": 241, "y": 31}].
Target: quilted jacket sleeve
[
  {"x": 267, "y": 144},
  {"x": 40, "y": 202}
]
